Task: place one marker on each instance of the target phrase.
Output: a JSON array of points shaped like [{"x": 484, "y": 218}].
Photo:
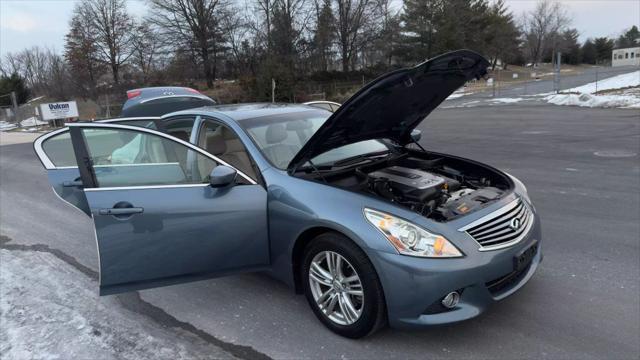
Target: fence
[
  {"x": 504, "y": 84},
  {"x": 107, "y": 106}
]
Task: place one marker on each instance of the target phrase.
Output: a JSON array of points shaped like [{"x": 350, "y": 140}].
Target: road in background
[
  {"x": 530, "y": 87},
  {"x": 582, "y": 169}
]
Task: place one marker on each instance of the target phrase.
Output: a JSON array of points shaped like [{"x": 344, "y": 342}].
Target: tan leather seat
[
  {"x": 236, "y": 153},
  {"x": 280, "y": 154},
  {"x": 224, "y": 144}
]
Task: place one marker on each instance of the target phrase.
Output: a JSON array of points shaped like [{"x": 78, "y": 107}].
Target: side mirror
[
  {"x": 416, "y": 135},
  {"x": 222, "y": 176}
]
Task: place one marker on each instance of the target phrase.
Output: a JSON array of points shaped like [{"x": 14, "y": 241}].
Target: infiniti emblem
[{"x": 515, "y": 224}]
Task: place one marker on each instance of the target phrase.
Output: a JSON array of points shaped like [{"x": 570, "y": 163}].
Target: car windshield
[{"x": 280, "y": 138}]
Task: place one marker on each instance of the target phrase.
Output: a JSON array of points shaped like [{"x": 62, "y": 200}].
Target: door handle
[
  {"x": 121, "y": 211},
  {"x": 74, "y": 183}
]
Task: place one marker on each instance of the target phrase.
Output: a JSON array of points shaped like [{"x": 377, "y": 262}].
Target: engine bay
[{"x": 434, "y": 185}]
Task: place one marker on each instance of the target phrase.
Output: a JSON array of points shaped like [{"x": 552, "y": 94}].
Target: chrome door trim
[
  {"x": 145, "y": 187},
  {"x": 145, "y": 164},
  {"x": 48, "y": 164},
  {"x": 107, "y": 121}
]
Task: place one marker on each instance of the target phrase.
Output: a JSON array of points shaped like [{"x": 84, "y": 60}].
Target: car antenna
[{"x": 317, "y": 171}]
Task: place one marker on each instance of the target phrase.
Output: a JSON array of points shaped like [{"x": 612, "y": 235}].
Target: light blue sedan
[{"x": 345, "y": 207}]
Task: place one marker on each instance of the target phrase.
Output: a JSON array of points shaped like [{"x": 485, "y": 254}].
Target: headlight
[{"x": 409, "y": 239}]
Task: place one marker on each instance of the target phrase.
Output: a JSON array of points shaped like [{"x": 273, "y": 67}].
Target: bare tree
[
  {"x": 43, "y": 70},
  {"x": 352, "y": 19},
  {"x": 192, "y": 25},
  {"x": 262, "y": 23},
  {"x": 81, "y": 54},
  {"x": 542, "y": 27},
  {"x": 112, "y": 30},
  {"x": 145, "y": 46}
]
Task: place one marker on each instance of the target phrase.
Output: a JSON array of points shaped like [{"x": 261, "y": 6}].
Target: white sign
[{"x": 59, "y": 110}]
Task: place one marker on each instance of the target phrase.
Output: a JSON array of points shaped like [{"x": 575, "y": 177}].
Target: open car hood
[{"x": 392, "y": 105}]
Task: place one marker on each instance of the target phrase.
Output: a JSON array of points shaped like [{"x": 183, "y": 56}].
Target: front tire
[{"x": 342, "y": 287}]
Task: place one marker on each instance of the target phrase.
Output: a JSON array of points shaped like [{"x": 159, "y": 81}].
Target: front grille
[{"x": 503, "y": 227}]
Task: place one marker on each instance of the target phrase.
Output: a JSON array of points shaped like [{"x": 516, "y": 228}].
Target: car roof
[{"x": 241, "y": 112}]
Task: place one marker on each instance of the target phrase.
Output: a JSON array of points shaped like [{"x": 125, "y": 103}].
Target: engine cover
[{"x": 411, "y": 184}]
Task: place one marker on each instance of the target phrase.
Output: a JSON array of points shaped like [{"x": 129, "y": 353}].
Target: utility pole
[
  {"x": 14, "y": 105},
  {"x": 273, "y": 90},
  {"x": 556, "y": 79}
]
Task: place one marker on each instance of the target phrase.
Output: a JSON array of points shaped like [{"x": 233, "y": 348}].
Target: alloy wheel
[{"x": 336, "y": 287}]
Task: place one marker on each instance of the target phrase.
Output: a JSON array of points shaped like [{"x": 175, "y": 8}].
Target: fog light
[{"x": 451, "y": 300}]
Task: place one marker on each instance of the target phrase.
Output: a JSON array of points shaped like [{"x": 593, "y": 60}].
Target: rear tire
[{"x": 347, "y": 298}]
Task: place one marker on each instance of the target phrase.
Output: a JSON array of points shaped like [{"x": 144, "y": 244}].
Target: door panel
[
  {"x": 67, "y": 185},
  {"x": 183, "y": 234},
  {"x": 157, "y": 220},
  {"x": 56, "y": 153}
]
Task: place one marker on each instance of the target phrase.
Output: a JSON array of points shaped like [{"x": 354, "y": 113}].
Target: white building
[{"x": 624, "y": 57}]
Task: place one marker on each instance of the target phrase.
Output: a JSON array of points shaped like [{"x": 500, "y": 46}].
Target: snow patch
[
  {"x": 617, "y": 82},
  {"x": 6, "y": 126},
  {"x": 592, "y": 101},
  {"x": 506, "y": 100},
  {"x": 32, "y": 121},
  {"x": 455, "y": 95},
  {"x": 50, "y": 310}
]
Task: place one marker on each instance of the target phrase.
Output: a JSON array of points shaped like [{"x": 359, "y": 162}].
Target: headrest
[
  {"x": 216, "y": 145},
  {"x": 298, "y": 125},
  {"x": 276, "y": 133}
]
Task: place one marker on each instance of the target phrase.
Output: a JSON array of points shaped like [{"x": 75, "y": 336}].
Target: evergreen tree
[
  {"x": 322, "y": 37},
  {"x": 603, "y": 46},
  {"x": 16, "y": 83},
  {"x": 570, "y": 47},
  {"x": 631, "y": 38},
  {"x": 589, "y": 53},
  {"x": 502, "y": 35},
  {"x": 420, "y": 18}
]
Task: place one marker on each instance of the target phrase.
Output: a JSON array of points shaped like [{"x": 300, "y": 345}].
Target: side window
[
  {"x": 130, "y": 158},
  {"x": 223, "y": 142},
  {"x": 59, "y": 149},
  {"x": 180, "y": 128}
]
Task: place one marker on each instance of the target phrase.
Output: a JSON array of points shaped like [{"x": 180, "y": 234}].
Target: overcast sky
[{"x": 26, "y": 23}]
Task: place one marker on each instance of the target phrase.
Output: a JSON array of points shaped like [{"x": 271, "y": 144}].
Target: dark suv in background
[{"x": 157, "y": 101}]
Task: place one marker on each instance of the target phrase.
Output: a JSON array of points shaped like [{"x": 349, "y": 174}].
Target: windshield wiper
[
  {"x": 357, "y": 158},
  {"x": 346, "y": 161}
]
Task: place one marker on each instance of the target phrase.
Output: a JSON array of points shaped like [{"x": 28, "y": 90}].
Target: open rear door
[
  {"x": 157, "y": 219},
  {"x": 56, "y": 153}
]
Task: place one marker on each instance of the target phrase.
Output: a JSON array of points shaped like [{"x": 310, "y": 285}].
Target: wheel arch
[
  {"x": 301, "y": 243},
  {"x": 298, "y": 248}
]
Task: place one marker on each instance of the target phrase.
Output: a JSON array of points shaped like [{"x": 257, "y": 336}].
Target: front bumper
[{"x": 412, "y": 286}]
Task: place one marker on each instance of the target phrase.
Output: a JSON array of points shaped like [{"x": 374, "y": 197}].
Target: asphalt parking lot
[{"x": 582, "y": 169}]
